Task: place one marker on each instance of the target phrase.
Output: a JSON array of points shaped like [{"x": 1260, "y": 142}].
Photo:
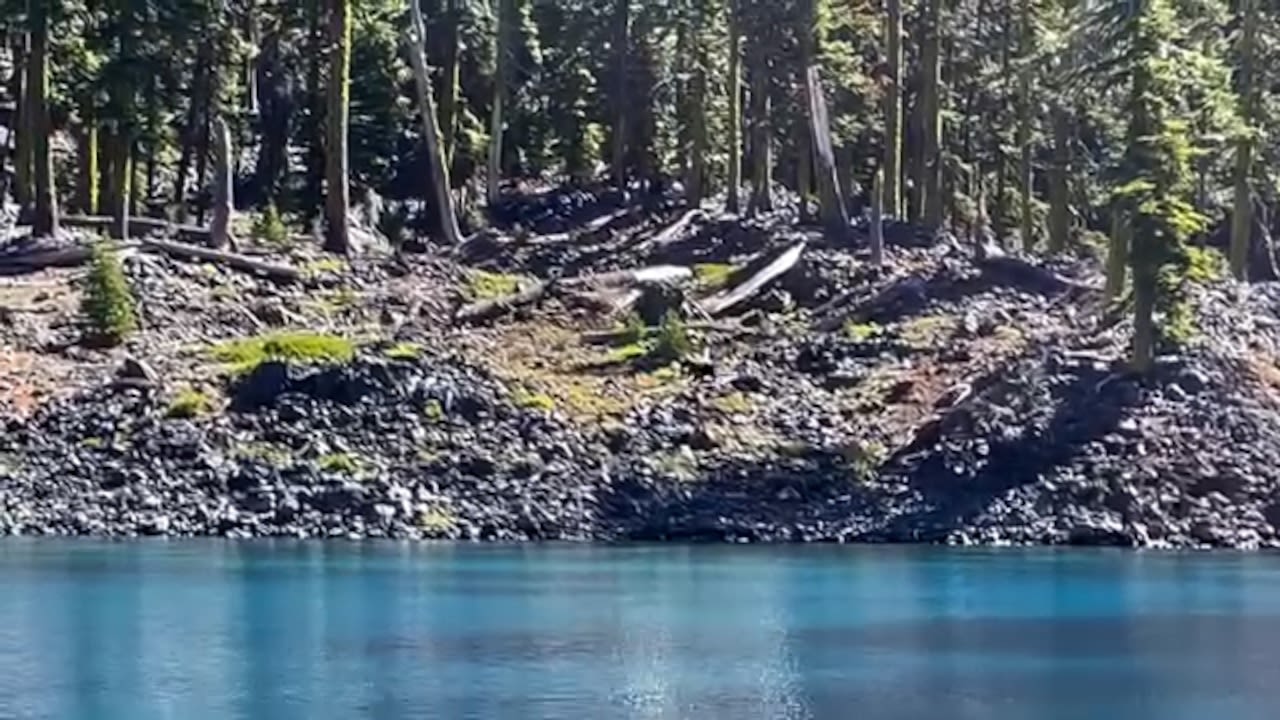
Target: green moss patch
[
  {"x": 190, "y": 404},
  {"x": 305, "y": 348},
  {"x": 485, "y": 285}
]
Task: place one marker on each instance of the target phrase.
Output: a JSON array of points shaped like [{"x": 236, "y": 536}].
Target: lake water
[{"x": 209, "y": 630}]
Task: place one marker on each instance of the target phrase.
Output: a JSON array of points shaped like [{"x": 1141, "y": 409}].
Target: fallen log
[
  {"x": 671, "y": 233},
  {"x": 487, "y": 309},
  {"x": 140, "y": 226},
  {"x": 654, "y": 275},
  {"x": 272, "y": 270},
  {"x": 724, "y": 301}
]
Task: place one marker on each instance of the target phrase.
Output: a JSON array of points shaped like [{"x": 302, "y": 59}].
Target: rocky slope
[{"x": 941, "y": 399}]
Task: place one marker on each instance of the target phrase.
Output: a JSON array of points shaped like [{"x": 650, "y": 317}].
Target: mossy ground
[{"x": 305, "y": 348}]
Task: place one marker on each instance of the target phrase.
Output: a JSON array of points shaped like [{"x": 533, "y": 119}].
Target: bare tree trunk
[
  {"x": 24, "y": 140},
  {"x": 835, "y": 218},
  {"x": 877, "y": 220},
  {"x": 449, "y": 230},
  {"x": 1024, "y": 131},
  {"x": 1059, "y": 192},
  {"x": 621, "y": 40},
  {"x": 1117, "y": 254},
  {"x": 932, "y": 117},
  {"x": 506, "y": 21},
  {"x": 219, "y": 229},
  {"x": 121, "y": 180},
  {"x": 88, "y": 190},
  {"x": 761, "y": 131},
  {"x": 893, "y": 111},
  {"x": 1242, "y": 211},
  {"x": 192, "y": 127},
  {"x": 45, "y": 221},
  {"x": 337, "y": 188},
  {"x": 315, "y": 126},
  {"x": 449, "y": 85},
  {"x": 735, "y": 110}
]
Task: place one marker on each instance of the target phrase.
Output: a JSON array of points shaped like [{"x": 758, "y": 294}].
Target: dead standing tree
[{"x": 414, "y": 39}]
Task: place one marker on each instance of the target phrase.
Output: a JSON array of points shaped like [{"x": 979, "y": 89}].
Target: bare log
[
  {"x": 239, "y": 262},
  {"x": 655, "y": 275},
  {"x": 487, "y": 309},
  {"x": 673, "y": 232},
  {"x": 835, "y": 217},
  {"x": 609, "y": 337},
  {"x": 724, "y": 301}
]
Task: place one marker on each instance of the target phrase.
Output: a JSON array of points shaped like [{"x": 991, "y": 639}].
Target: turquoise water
[{"x": 205, "y": 631}]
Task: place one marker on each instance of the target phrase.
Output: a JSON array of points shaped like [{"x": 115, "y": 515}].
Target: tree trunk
[
  {"x": 893, "y": 111},
  {"x": 1117, "y": 255},
  {"x": 337, "y": 189},
  {"x": 45, "y": 221},
  {"x": 23, "y": 190},
  {"x": 835, "y": 218},
  {"x": 506, "y": 21},
  {"x": 87, "y": 186},
  {"x": 695, "y": 181},
  {"x": 761, "y": 131},
  {"x": 449, "y": 230},
  {"x": 1242, "y": 211},
  {"x": 1024, "y": 131},
  {"x": 219, "y": 229},
  {"x": 621, "y": 39},
  {"x": 121, "y": 181},
  {"x": 877, "y": 220},
  {"x": 932, "y": 118},
  {"x": 250, "y": 61},
  {"x": 735, "y": 110},
  {"x": 192, "y": 127},
  {"x": 274, "y": 113},
  {"x": 1144, "y": 324},
  {"x": 449, "y": 85},
  {"x": 1059, "y": 192},
  {"x": 315, "y": 125}
]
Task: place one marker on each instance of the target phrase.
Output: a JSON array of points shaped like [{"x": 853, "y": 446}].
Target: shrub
[
  {"x": 269, "y": 228},
  {"x": 672, "y": 343},
  {"x": 108, "y": 305}
]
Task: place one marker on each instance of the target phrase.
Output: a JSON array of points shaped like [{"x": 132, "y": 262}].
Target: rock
[
  {"x": 261, "y": 386},
  {"x": 157, "y": 525}
]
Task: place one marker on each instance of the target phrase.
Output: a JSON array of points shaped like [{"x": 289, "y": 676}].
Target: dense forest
[{"x": 1121, "y": 128}]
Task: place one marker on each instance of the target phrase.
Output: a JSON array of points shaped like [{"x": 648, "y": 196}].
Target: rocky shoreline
[{"x": 953, "y": 402}]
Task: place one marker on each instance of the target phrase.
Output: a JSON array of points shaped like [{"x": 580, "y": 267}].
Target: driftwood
[
  {"x": 724, "y": 301},
  {"x": 487, "y": 309}
]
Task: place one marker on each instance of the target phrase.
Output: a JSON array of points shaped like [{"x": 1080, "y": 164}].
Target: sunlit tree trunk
[
  {"x": 1024, "y": 130},
  {"x": 893, "y": 111},
  {"x": 621, "y": 40},
  {"x": 45, "y": 221},
  {"x": 1059, "y": 191},
  {"x": 23, "y": 140},
  {"x": 449, "y": 86},
  {"x": 449, "y": 230},
  {"x": 337, "y": 188},
  {"x": 735, "y": 109},
  {"x": 506, "y": 20},
  {"x": 932, "y": 117},
  {"x": 1242, "y": 210}
]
